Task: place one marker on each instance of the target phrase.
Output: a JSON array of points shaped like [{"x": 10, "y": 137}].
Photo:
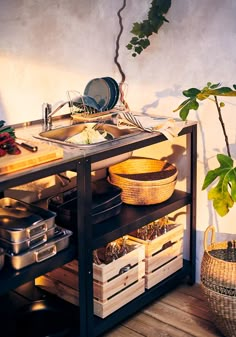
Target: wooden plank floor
[{"x": 180, "y": 313}]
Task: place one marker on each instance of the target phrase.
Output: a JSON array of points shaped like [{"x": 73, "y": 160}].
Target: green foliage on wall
[{"x": 143, "y": 30}]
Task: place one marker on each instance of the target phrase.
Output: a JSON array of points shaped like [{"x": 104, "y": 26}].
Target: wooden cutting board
[{"x": 46, "y": 153}]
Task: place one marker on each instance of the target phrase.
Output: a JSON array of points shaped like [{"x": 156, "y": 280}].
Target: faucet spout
[{"x": 48, "y": 111}]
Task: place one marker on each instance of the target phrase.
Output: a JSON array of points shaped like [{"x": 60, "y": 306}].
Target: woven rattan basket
[
  {"x": 144, "y": 181},
  {"x": 218, "y": 281}
]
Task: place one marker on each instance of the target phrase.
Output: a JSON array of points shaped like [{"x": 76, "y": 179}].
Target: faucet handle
[{"x": 46, "y": 110}]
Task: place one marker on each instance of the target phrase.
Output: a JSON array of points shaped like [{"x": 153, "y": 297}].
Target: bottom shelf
[
  {"x": 29, "y": 312},
  {"x": 64, "y": 317},
  {"x": 103, "y": 325}
]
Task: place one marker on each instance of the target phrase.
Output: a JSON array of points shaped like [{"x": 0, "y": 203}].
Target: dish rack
[{"x": 103, "y": 100}]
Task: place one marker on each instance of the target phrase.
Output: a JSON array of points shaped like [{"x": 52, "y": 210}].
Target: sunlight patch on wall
[{"x": 27, "y": 84}]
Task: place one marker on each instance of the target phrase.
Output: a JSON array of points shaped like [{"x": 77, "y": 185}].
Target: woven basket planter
[
  {"x": 144, "y": 181},
  {"x": 218, "y": 281}
]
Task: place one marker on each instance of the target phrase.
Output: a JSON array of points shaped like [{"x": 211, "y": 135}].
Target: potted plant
[{"x": 218, "y": 267}]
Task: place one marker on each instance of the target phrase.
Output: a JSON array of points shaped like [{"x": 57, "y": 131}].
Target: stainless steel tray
[
  {"x": 43, "y": 252},
  {"x": 35, "y": 241},
  {"x": 20, "y": 221},
  {"x": 104, "y": 196},
  {"x": 106, "y": 203}
]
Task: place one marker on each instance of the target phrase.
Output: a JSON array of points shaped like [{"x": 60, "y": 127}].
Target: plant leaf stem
[{"x": 223, "y": 126}]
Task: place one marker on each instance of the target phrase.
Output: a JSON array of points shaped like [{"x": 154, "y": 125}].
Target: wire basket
[
  {"x": 144, "y": 181},
  {"x": 218, "y": 281}
]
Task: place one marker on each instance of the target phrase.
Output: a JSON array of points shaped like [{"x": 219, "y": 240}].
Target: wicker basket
[
  {"x": 144, "y": 181},
  {"x": 218, "y": 281}
]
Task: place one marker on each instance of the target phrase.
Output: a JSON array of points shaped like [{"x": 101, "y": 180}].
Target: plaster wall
[{"x": 49, "y": 47}]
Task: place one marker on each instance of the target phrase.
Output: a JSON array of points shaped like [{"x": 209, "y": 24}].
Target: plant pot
[{"x": 218, "y": 281}]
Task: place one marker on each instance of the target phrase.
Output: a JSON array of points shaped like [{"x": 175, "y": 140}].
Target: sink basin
[{"x": 62, "y": 134}]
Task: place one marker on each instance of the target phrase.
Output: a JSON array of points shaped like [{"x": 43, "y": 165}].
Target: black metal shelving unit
[{"x": 91, "y": 237}]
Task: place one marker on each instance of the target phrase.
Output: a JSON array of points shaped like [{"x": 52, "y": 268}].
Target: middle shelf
[{"x": 129, "y": 219}]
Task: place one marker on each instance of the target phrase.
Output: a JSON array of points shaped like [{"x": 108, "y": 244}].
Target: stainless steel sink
[{"x": 61, "y": 134}]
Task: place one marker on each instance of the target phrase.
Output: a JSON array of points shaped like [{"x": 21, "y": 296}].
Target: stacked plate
[{"x": 103, "y": 92}]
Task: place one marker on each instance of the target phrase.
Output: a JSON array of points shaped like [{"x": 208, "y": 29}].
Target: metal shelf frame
[{"x": 91, "y": 237}]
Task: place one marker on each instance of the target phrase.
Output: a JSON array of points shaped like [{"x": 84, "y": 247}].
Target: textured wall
[{"x": 49, "y": 47}]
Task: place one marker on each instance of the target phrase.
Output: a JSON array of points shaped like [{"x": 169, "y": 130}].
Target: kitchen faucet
[{"x": 48, "y": 111}]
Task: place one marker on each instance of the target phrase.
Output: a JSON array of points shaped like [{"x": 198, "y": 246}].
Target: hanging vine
[{"x": 143, "y": 30}]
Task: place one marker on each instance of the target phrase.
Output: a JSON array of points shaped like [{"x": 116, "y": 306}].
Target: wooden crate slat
[
  {"x": 163, "y": 272},
  {"x": 118, "y": 287},
  {"x": 155, "y": 261},
  {"x": 153, "y": 246}
]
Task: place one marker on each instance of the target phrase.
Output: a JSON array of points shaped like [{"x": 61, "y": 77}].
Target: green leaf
[
  {"x": 136, "y": 30},
  {"x": 213, "y": 86},
  {"x": 222, "y": 200},
  {"x": 146, "y": 29},
  {"x": 186, "y": 106},
  {"x": 192, "y": 92},
  {"x": 223, "y": 91},
  {"x": 210, "y": 177},
  {"x": 191, "y": 105},
  {"x": 129, "y": 46},
  {"x": 232, "y": 179},
  {"x": 224, "y": 193},
  {"x": 203, "y": 95},
  {"x": 134, "y": 40},
  {"x": 225, "y": 161},
  {"x": 152, "y": 24},
  {"x": 163, "y": 5},
  {"x": 144, "y": 43},
  {"x": 226, "y": 165},
  {"x": 138, "y": 49},
  {"x": 200, "y": 95},
  {"x": 182, "y": 104}
]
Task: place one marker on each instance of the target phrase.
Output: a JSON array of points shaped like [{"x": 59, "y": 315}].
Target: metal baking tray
[
  {"x": 106, "y": 202},
  {"x": 67, "y": 215},
  {"x": 20, "y": 221},
  {"x": 41, "y": 253},
  {"x": 35, "y": 241},
  {"x": 104, "y": 195}
]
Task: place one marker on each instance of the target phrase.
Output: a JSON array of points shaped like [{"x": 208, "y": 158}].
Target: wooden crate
[
  {"x": 163, "y": 255},
  {"x": 112, "y": 288}
]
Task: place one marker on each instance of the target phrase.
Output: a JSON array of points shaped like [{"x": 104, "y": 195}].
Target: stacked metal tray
[
  {"x": 28, "y": 233},
  {"x": 106, "y": 203}
]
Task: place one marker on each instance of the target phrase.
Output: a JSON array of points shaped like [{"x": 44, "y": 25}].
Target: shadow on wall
[
  {"x": 179, "y": 152},
  {"x": 169, "y": 92}
]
